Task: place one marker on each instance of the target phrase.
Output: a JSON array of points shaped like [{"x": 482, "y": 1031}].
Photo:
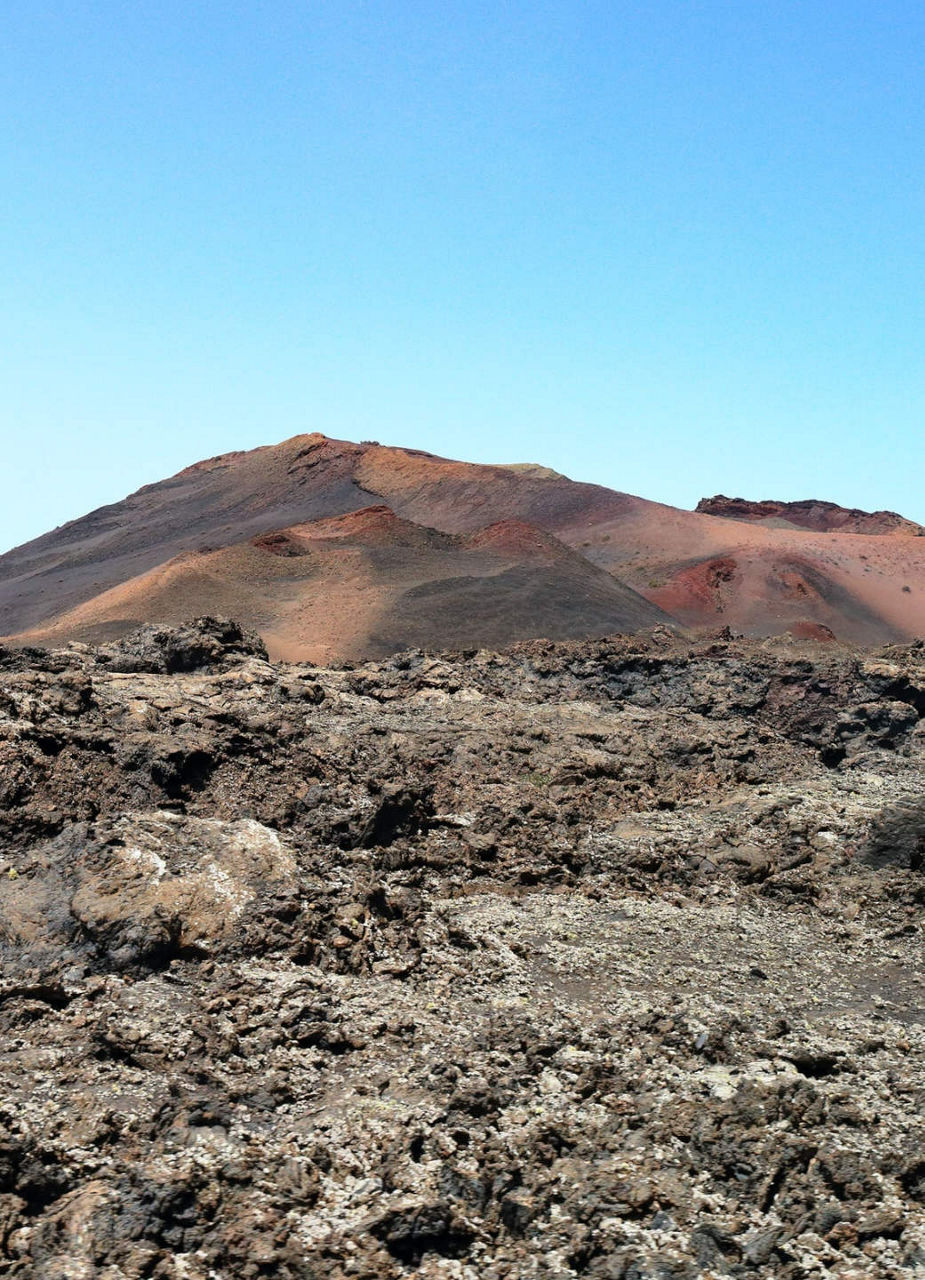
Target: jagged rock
[
  {"x": 597, "y": 958},
  {"x": 141, "y": 890},
  {"x": 200, "y": 645}
]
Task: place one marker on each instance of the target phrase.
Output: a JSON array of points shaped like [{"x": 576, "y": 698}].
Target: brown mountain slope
[
  {"x": 369, "y": 583},
  {"x": 227, "y": 499},
  {"x": 759, "y": 591},
  {"x": 865, "y": 588}
]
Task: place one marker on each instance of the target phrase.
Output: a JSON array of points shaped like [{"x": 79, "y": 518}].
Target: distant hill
[
  {"x": 823, "y": 517},
  {"x": 332, "y": 549}
]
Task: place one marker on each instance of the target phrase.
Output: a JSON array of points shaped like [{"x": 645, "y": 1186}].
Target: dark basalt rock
[
  {"x": 588, "y": 959},
  {"x": 897, "y": 837},
  {"x": 201, "y": 645}
]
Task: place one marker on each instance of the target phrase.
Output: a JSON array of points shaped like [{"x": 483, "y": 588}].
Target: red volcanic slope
[
  {"x": 368, "y": 583},
  {"x": 823, "y": 517},
  {"x": 388, "y": 523},
  {"x": 227, "y": 499}
]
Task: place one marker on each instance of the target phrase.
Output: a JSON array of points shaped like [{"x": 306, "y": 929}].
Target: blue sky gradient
[{"x": 675, "y": 248}]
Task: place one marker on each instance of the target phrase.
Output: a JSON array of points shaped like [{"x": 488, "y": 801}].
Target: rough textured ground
[
  {"x": 291, "y": 540},
  {"x": 585, "y": 959}
]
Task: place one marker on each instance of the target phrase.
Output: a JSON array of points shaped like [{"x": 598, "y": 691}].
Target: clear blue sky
[{"x": 674, "y": 247}]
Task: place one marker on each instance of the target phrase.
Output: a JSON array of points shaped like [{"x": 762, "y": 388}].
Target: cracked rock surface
[{"x": 590, "y": 959}]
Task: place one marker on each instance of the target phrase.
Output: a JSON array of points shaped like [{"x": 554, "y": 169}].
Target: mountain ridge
[
  {"x": 699, "y": 569},
  {"x": 811, "y": 513}
]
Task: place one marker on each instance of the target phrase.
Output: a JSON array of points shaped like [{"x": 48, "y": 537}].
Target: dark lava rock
[
  {"x": 586, "y": 959},
  {"x": 197, "y": 646}
]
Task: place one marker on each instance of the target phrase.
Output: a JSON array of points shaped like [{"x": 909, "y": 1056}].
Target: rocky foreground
[{"x": 593, "y": 959}]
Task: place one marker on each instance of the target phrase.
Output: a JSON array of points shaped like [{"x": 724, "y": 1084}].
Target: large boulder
[
  {"x": 140, "y": 890},
  {"x": 200, "y": 645}
]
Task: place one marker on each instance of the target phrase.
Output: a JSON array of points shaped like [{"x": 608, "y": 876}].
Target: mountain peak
[{"x": 342, "y": 548}]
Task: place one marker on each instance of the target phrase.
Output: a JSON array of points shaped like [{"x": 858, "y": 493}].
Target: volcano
[{"x": 334, "y": 550}]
